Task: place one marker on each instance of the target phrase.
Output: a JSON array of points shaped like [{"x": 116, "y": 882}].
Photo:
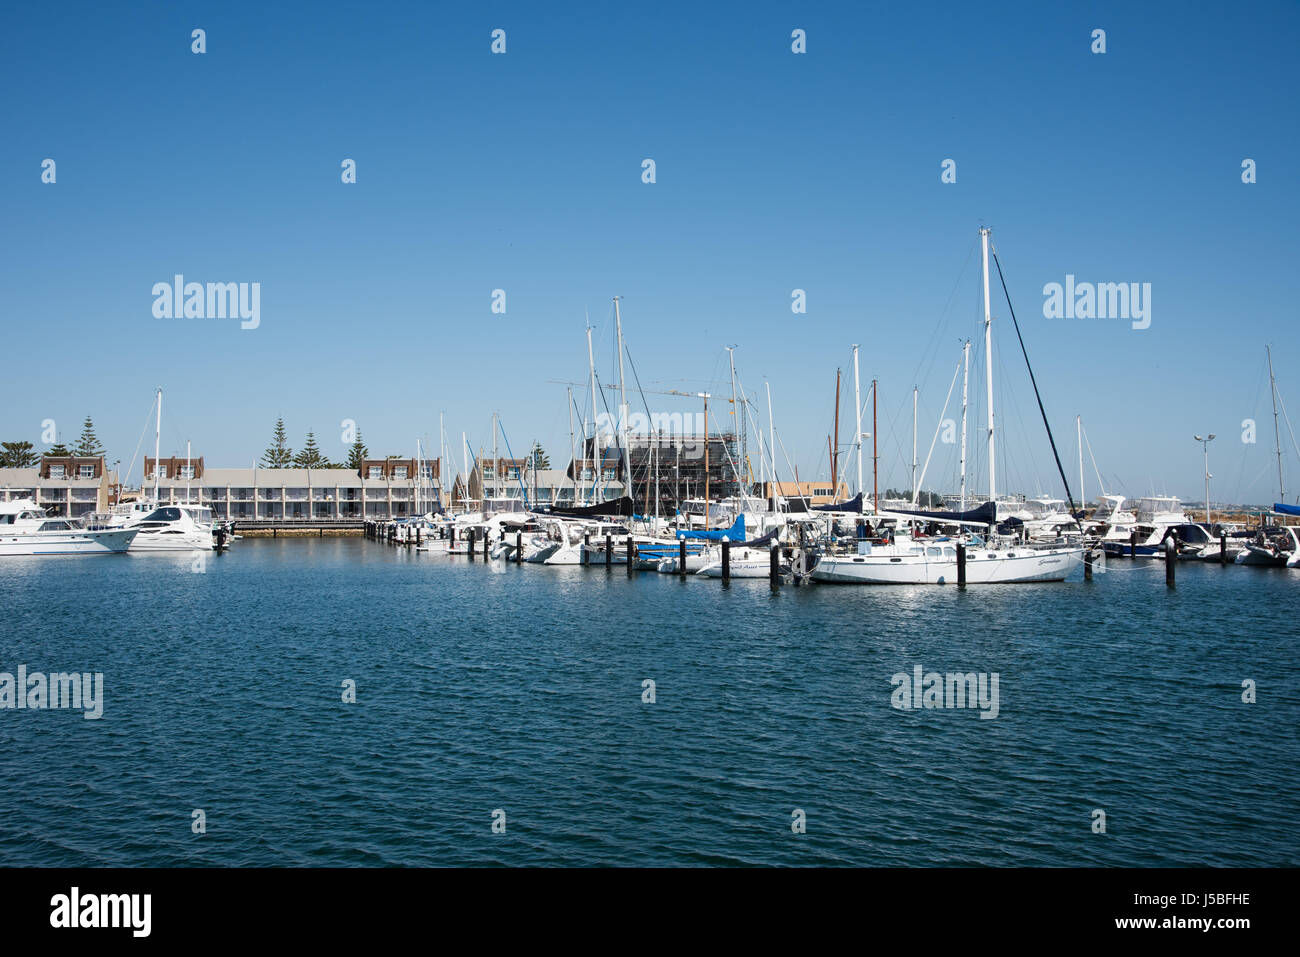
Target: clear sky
[{"x": 775, "y": 171}]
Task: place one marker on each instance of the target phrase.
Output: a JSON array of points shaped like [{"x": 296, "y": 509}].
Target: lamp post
[{"x": 1205, "y": 447}]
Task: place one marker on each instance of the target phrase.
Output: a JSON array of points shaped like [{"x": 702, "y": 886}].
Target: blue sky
[{"x": 775, "y": 171}]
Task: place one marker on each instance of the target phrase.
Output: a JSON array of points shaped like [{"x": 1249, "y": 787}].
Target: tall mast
[
  {"x": 875, "y": 458},
  {"x": 965, "y": 378},
  {"x": 572, "y": 452},
  {"x": 157, "y": 444},
  {"x": 1277, "y": 440},
  {"x": 857, "y": 406},
  {"x": 915, "y": 394},
  {"x": 706, "y": 460},
  {"x": 187, "y": 471},
  {"x": 771, "y": 442},
  {"x": 735, "y": 419},
  {"x": 496, "y": 462},
  {"x": 835, "y": 445},
  {"x": 595, "y": 419},
  {"x": 464, "y": 461},
  {"x": 622, "y": 403},
  {"x": 442, "y": 458},
  {"x": 988, "y": 363},
  {"x": 1083, "y": 498}
]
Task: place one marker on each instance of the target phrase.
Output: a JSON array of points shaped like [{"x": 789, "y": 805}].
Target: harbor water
[{"x": 492, "y": 692}]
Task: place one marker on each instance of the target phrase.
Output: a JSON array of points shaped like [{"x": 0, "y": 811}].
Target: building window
[
  {"x": 822, "y": 491},
  {"x": 87, "y": 471},
  {"x": 399, "y": 471},
  {"x": 186, "y": 471},
  {"x": 56, "y": 471},
  {"x": 376, "y": 471}
]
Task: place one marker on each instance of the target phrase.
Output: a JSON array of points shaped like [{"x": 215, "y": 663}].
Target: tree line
[{"x": 23, "y": 455}]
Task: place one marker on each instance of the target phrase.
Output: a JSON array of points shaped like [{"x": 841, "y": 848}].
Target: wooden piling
[
  {"x": 961, "y": 564},
  {"x": 1133, "y": 544},
  {"x": 1087, "y": 565},
  {"x": 519, "y": 547},
  {"x": 726, "y": 560},
  {"x": 1171, "y": 560},
  {"x": 1223, "y": 548},
  {"x": 631, "y": 562},
  {"x": 609, "y": 551},
  {"x": 774, "y": 567},
  {"x": 470, "y": 539},
  {"x": 681, "y": 559}
]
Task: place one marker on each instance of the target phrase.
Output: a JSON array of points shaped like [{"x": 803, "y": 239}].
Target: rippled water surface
[{"x": 483, "y": 687}]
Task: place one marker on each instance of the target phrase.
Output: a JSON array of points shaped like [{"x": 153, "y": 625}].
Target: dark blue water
[{"x": 520, "y": 688}]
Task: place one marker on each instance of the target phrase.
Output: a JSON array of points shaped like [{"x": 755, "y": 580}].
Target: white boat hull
[
  {"x": 104, "y": 542},
  {"x": 1006, "y": 565}
]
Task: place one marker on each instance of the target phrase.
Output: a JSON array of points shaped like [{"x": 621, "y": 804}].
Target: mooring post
[
  {"x": 630, "y": 560},
  {"x": 1223, "y": 547},
  {"x": 961, "y": 564},
  {"x": 1133, "y": 544},
  {"x": 681, "y": 559},
  {"x": 586, "y": 548},
  {"x": 1087, "y": 565},
  {"x": 1171, "y": 560},
  {"x": 487, "y": 543},
  {"x": 470, "y": 540},
  {"x": 519, "y": 547},
  {"x": 726, "y": 560},
  {"x": 774, "y": 567},
  {"x": 609, "y": 551}
]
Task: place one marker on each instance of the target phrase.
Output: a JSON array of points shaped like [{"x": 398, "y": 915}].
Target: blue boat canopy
[
  {"x": 1283, "y": 509},
  {"x": 734, "y": 534}
]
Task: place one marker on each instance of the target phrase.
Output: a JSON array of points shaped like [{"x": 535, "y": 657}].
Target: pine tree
[
  {"x": 17, "y": 455},
  {"x": 88, "y": 444},
  {"x": 278, "y": 455},
  {"x": 537, "y": 457},
  {"x": 357, "y": 454},
  {"x": 309, "y": 457},
  {"x": 58, "y": 450}
]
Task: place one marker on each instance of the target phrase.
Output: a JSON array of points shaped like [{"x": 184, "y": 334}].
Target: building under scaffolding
[{"x": 667, "y": 468}]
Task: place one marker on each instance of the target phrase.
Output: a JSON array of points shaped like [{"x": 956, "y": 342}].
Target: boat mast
[
  {"x": 1083, "y": 498},
  {"x": 1277, "y": 437},
  {"x": 857, "y": 406},
  {"x": 595, "y": 419},
  {"x": 915, "y": 491},
  {"x": 875, "y": 457},
  {"x": 464, "y": 463},
  {"x": 496, "y": 462},
  {"x": 442, "y": 458},
  {"x": 835, "y": 445},
  {"x": 622, "y": 406},
  {"x": 573, "y": 457},
  {"x": 965, "y": 378},
  {"x": 157, "y": 442},
  {"x": 187, "y": 471},
  {"x": 988, "y": 363},
  {"x": 735, "y": 419},
  {"x": 705, "y": 396},
  {"x": 771, "y": 442}
]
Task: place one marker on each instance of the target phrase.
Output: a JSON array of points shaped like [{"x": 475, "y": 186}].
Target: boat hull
[
  {"x": 104, "y": 542},
  {"x": 1007, "y": 566}
]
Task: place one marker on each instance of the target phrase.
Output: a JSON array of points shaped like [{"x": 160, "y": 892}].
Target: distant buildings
[{"x": 67, "y": 486}]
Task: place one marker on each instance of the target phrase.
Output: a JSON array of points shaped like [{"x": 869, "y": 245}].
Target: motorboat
[{"x": 25, "y": 529}]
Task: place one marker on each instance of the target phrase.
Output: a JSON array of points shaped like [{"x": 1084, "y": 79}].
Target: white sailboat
[{"x": 934, "y": 561}]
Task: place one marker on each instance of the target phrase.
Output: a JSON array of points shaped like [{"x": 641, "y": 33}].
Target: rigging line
[
  {"x": 1087, "y": 442},
  {"x": 1025, "y": 352},
  {"x": 495, "y": 465},
  {"x": 140, "y": 442}
]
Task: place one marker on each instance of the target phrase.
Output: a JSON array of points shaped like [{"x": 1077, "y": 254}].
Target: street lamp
[{"x": 1205, "y": 447}]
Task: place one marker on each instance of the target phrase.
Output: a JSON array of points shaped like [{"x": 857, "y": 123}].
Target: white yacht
[
  {"x": 934, "y": 562},
  {"x": 26, "y": 530},
  {"x": 172, "y": 528}
]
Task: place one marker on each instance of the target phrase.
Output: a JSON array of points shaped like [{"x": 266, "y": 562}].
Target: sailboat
[{"x": 934, "y": 561}]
